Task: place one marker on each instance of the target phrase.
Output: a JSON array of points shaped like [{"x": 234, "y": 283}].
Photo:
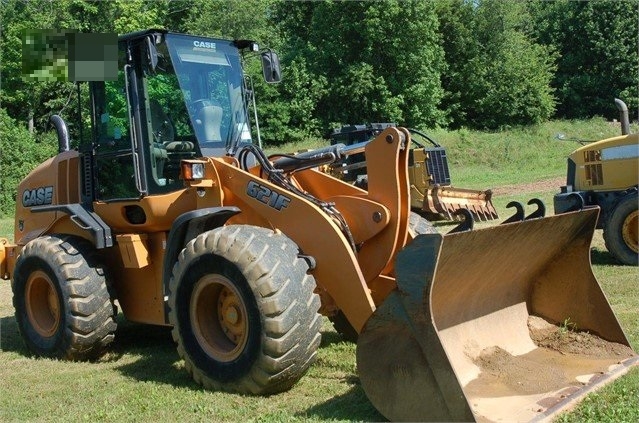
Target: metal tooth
[
  {"x": 519, "y": 213},
  {"x": 467, "y": 222},
  {"x": 541, "y": 209}
]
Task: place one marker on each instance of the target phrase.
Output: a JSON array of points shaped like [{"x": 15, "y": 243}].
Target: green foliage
[
  {"x": 27, "y": 100},
  {"x": 383, "y": 61},
  {"x": 19, "y": 154},
  {"x": 247, "y": 19},
  {"x": 457, "y": 63},
  {"x": 568, "y": 326},
  {"x": 6, "y": 228},
  {"x": 597, "y": 42},
  {"x": 136, "y": 15},
  {"x": 497, "y": 76},
  {"x": 289, "y": 112}
]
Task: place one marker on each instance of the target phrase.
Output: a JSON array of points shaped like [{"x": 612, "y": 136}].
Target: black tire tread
[
  {"x": 613, "y": 238},
  {"x": 286, "y": 300},
  {"x": 88, "y": 311}
]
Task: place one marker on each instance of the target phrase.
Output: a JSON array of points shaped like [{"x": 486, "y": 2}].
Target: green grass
[
  {"x": 143, "y": 379},
  {"x": 6, "y": 228}
]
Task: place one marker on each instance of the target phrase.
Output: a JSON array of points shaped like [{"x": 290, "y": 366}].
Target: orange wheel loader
[{"x": 173, "y": 214}]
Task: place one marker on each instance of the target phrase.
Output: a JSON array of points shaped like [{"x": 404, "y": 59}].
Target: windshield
[{"x": 210, "y": 77}]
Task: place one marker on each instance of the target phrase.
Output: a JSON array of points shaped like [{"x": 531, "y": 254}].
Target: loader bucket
[{"x": 506, "y": 323}]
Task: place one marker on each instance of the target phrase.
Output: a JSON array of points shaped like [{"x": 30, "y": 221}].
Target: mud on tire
[
  {"x": 63, "y": 307},
  {"x": 243, "y": 309}
]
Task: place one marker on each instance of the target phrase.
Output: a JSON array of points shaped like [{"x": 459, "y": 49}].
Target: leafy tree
[
  {"x": 33, "y": 101},
  {"x": 461, "y": 49},
  {"x": 137, "y": 15},
  {"x": 247, "y": 19},
  {"x": 290, "y": 113},
  {"x": 382, "y": 60},
  {"x": 497, "y": 75},
  {"x": 19, "y": 153},
  {"x": 597, "y": 42},
  {"x": 23, "y": 98}
]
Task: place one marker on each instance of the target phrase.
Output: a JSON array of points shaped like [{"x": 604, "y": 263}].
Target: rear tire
[
  {"x": 621, "y": 231},
  {"x": 63, "y": 307},
  {"x": 418, "y": 225},
  {"x": 244, "y": 311}
]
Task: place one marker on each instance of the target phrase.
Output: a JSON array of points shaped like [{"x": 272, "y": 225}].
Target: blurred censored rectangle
[{"x": 66, "y": 55}]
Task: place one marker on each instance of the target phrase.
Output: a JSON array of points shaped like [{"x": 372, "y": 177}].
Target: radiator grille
[
  {"x": 437, "y": 165},
  {"x": 594, "y": 174}
]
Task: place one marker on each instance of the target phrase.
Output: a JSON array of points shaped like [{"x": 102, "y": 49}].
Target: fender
[{"x": 186, "y": 227}]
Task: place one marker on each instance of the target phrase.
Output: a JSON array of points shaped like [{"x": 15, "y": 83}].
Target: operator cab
[{"x": 176, "y": 97}]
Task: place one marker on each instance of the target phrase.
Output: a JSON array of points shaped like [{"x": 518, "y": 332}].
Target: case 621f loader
[{"x": 173, "y": 212}]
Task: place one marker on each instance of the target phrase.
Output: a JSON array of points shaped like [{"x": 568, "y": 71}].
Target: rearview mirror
[{"x": 271, "y": 67}]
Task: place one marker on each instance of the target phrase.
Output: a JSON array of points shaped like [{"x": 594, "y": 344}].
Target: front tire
[
  {"x": 63, "y": 307},
  {"x": 621, "y": 231},
  {"x": 243, "y": 309}
]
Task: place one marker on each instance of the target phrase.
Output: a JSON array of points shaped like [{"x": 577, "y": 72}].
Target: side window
[
  {"x": 115, "y": 173},
  {"x": 112, "y": 121}
]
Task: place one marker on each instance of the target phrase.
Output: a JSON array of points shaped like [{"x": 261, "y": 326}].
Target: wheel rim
[
  {"x": 42, "y": 304},
  {"x": 630, "y": 230},
  {"x": 219, "y": 318}
]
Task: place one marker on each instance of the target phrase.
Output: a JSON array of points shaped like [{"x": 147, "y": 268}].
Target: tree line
[{"x": 481, "y": 64}]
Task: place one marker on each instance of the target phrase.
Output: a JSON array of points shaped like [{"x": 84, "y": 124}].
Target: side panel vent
[
  {"x": 87, "y": 179},
  {"x": 594, "y": 174}
]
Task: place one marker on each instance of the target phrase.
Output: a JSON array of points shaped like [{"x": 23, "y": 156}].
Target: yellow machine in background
[
  {"x": 606, "y": 174},
  {"x": 431, "y": 193},
  {"x": 171, "y": 210}
]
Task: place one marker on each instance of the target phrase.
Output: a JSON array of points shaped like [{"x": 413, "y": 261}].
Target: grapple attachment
[
  {"x": 445, "y": 201},
  {"x": 506, "y": 323}
]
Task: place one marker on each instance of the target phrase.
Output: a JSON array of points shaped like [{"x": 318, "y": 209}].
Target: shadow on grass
[
  {"x": 135, "y": 338},
  {"x": 156, "y": 357},
  {"x": 148, "y": 354},
  {"x": 330, "y": 337},
  {"x": 154, "y": 354},
  {"x": 352, "y": 406},
  {"x": 603, "y": 258},
  {"x": 10, "y": 339}
]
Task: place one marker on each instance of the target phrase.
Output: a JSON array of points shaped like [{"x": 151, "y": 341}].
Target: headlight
[{"x": 192, "y": 170}]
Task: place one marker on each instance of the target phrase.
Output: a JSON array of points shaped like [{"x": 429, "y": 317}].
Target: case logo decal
[{"x": 37, "y": 196}]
